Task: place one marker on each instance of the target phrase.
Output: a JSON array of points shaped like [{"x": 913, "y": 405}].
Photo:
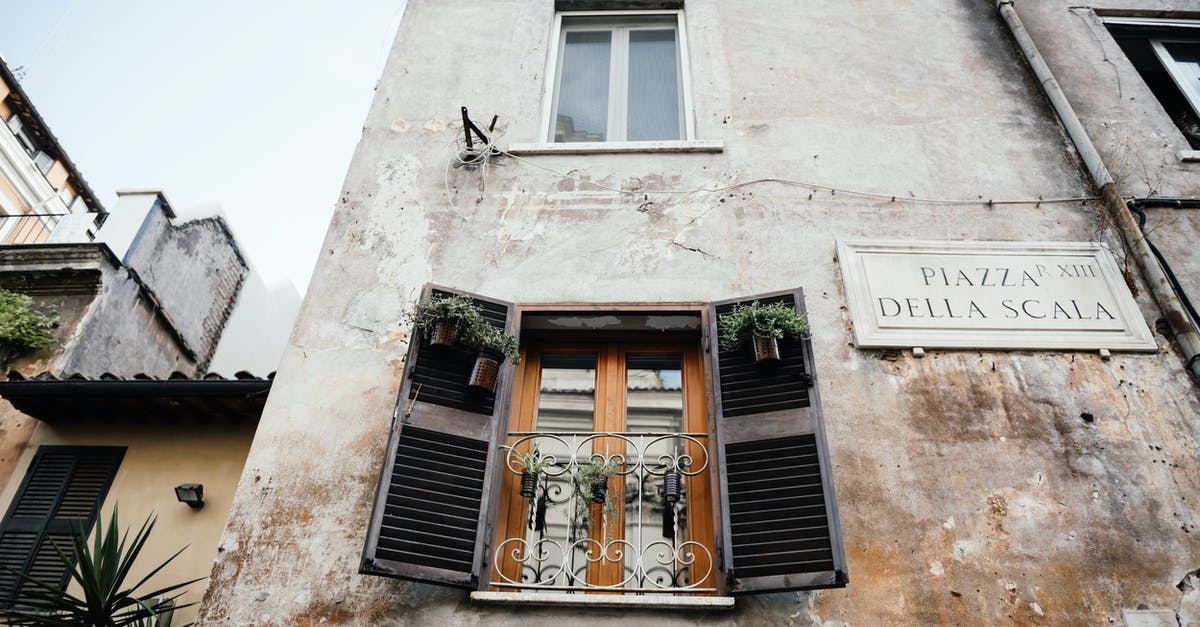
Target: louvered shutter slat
[
  {"x": 59, "y": 497},
  {"x": 778, "y": 507},
  {"x": 427, "y": 523}
]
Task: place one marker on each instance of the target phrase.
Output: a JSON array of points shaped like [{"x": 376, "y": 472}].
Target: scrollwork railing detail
[{"x": 566, "y": 545}]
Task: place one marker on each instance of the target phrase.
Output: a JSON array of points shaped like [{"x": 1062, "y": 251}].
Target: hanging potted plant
[
  {"x": 591, "y": 488},
  {"x": 444, "y": 319},
  {"x": 494, "y": 347},
  {"x": 23, "y": 328},
  {"x": 532, "y": 465},
  {"x": 762, "y": 326}
]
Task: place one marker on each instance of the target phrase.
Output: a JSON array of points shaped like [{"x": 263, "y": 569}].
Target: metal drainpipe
[{"x": 1186, "y": 333}]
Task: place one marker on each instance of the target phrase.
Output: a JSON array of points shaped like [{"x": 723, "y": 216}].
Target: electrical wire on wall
[{"x": 482, "y": 152}]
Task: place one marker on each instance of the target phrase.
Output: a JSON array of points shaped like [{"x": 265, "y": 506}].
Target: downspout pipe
[{"x": 1186, "y": 333}]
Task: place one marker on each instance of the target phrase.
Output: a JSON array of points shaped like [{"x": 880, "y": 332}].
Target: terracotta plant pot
[
  {"x": 600, "y": 489},
  {"x": 671, "y": 486},
  {"x": 445, "y": 333},
  {"x": 766, "y": 350},
  {"x": 486, "y": 370},
  {"x": 529, "y": 481}
]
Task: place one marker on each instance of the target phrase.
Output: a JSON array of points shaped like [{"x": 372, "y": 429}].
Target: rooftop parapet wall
[
  {"x": 195, "y": 270},
  {"x": 974, "y": 486}
]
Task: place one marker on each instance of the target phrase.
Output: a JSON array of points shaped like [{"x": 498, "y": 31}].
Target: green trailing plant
[
  {"x": 531, "y": 461},
  {"x": 588, "y": 474},
  {"x": 776, "y": 320},
  {"x": 101, "y": 570},
  {"x": 488, "y": 337},
  {"x": 23, "y": 326},
  {"x": 460, "y": 309}
]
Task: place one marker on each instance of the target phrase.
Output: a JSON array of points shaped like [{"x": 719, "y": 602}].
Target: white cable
[{"x": 795, "y": 183}]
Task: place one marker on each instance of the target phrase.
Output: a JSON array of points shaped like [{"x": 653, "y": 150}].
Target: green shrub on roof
[{"x": 24, "y": 327}]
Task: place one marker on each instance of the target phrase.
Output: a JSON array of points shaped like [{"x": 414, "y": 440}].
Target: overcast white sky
[{"x": 254, "y": 105}]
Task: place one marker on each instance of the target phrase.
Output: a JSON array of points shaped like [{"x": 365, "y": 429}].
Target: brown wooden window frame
[{"x": 611, "y": 350}]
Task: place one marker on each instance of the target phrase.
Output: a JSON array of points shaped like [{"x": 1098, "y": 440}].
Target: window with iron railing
[
  {"x": 627, "y": 453},
  {"x": 607, "y": 474}
]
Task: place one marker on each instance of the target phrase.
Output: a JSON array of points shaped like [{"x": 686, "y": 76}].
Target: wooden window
[
  {"x": 568, "y": 398},
  {"x": 757, "y": 513},
  {"x": 59, "y": 498}
]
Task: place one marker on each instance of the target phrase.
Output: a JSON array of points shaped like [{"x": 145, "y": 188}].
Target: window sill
[
  {"x": 1189, "y": 156},
  {"x": 603, "y": 600},
  {"x": 580, "y": 148}
]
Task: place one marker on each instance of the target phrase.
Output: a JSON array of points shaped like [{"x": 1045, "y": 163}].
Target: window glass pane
[
  {"x": 654, "y": 394},
  {"x": 567, "y": 398},
  {"x": 566, "y": 402},
  {"x": 654, "y": 526},
  {"x": 582, "y": 114},
  {"x": 653, "y": 112},
  {"x": 1187, "y": 60}
]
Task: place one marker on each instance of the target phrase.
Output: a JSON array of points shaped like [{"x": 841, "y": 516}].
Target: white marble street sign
[{"x": 1011, "y": 295}]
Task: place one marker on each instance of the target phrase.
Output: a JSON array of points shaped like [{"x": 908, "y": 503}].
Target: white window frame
[
  {"x": 1172, "y": 67},
  {"x": 616, "y": 93}
]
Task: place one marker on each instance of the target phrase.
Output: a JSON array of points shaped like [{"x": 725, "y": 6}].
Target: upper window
[
  {"x": 619, "y": 77},
  {"x": 1166, "y": 53}
]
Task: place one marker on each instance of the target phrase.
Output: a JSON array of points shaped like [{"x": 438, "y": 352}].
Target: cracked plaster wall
[{"x": 974, "y": 487}]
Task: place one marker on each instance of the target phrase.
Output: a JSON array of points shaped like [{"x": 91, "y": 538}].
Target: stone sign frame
[{"x": 870, "y": 332}]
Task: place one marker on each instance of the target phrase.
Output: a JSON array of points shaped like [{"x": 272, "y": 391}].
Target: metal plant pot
[
  {"x": 445, "y": 333},
  {"x": 671, "y": 486},
  {"x": 766, "y": 350},
  {"x": 486, "y": 370},
  {"x": 600, "y": 489},
  {"x": 529, "y": 481}
]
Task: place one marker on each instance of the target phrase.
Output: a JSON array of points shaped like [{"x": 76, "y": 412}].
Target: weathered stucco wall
[{"x": 974, "y": 487}]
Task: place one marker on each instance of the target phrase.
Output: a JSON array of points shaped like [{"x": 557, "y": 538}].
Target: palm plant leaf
[{"x": 100, "y": 570}]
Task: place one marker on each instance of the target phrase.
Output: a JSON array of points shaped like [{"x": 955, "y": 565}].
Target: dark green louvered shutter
[
  {"x": 59, "y": 497},
  {"x": 779, "y": 518},
  {"x": 435, "y": 487}
]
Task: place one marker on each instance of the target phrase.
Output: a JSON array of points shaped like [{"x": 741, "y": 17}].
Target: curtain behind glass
[
  {"x": 583, "y": 89},
  {"x": 653, "y": 112}
]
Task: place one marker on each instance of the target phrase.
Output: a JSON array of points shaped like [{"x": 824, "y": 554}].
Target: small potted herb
[
  {"x": 762, "y": 326},
  {"x": 494, "y": 347},
  {"x": 23, "y": 328},
  {"x": 532, "y": 465},
  {"x": 444, "y": 319}
]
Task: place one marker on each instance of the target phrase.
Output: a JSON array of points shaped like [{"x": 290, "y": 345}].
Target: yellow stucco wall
[{"x": 159, "y": 456}]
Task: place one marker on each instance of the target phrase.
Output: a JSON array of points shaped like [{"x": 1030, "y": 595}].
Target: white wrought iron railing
[{"x": 606, "y": 511}]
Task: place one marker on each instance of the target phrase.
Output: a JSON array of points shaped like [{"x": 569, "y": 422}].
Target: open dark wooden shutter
[
  {"x": 435, "y": 487},
  {"x": 59, "y": 497},
  {"x": 779, "y": 518}
]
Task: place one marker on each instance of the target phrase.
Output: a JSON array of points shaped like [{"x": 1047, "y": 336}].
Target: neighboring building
[
  {"x": 994, "y": 419},
  {"x": 127, "y": 405}
]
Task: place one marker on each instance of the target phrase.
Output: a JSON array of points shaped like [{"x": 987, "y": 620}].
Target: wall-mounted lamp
[{"x": 190, "y": 493}]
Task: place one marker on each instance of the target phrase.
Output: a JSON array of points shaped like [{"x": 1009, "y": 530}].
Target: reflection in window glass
[
  {"x": 583, "y": 88},
  {"x": 566, "y": 402},
  {"x": 654, "y": 404},
  {"x": 567, "y": 398}
]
